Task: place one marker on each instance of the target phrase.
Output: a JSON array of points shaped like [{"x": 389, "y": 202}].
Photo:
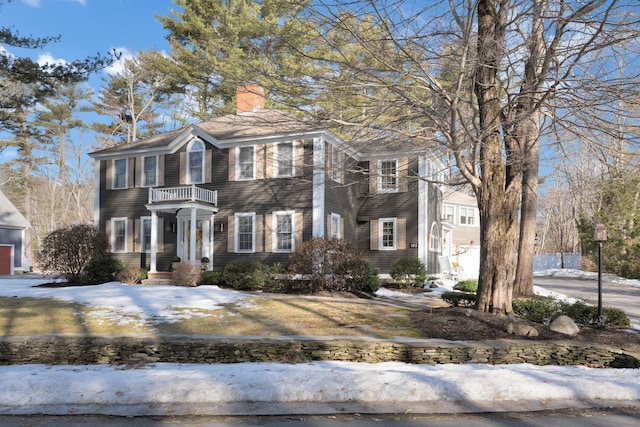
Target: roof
[
  {"x": 460, "y": 198},
  {"x": 230, "y": 127},
  {"x": 10, "y": 217}
]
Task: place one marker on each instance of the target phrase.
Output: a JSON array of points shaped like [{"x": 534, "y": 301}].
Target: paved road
[
  {"x": 624, "y": 297},
  {"x": 569, "y": 417}
]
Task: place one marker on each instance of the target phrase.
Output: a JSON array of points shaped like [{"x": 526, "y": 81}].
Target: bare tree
[{"x": 474, "y": 77}]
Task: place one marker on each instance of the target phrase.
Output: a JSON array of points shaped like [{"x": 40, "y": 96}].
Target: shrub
[
  {"x": 460, "y": 299},
  {"x": 246, "y": 275},
  {"x": 101, "y": 270},
  {"x": 187, "y": 274},
  {"x": 333, "y": 265},
  {"x": 132, "y": 275},
  {"x": 212, "y": 277},
  {"x": 469, "y": 285},
  {"x": 537, "y": 308},
  {"x": 68, "y": 251},
  {"x": 409, "y": 271}
]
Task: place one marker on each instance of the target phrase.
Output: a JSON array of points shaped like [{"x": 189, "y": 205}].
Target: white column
[
  {"x": 212, "y": 236},
  {"x": 154, "y": 240},
  {"x": 192, "y": 239},
  {"x": 206, "y": 239},
  {"x": 319, "y": 165}
]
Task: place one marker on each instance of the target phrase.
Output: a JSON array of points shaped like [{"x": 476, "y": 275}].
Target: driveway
[{"x": 624, "y": 297}]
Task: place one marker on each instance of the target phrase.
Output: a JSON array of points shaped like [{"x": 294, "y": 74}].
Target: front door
[
  {"x": 203, "y": 237},
  {"x": 6, "y": 259}
]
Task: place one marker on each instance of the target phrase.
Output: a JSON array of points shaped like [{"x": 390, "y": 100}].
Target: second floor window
[
  {"x": 195, "y": 162},
  {"x": 388, "y": 176},
  {"x": 149, "y": 173},
  {"x": 285, "y": 159},
  {"x": 467, "y": 216},
  {"x": 120, "y": 173},
  {"x": 448, "y": 213},
  {"x": 245, "y": 163}
]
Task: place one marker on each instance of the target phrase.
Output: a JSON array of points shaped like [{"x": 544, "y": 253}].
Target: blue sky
[{"x": 88, "y": 27}]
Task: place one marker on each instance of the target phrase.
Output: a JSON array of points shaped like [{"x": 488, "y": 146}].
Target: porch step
[{"x": 159, "y": 278}]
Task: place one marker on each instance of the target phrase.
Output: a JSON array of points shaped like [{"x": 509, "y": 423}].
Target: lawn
[{"x": 259, "y": 315}]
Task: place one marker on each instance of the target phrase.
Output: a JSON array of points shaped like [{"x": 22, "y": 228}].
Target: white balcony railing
[{"x": 187, "y": 193}]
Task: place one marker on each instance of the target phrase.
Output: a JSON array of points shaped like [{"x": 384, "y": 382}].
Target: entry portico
[{"x": 195, "y": 210}]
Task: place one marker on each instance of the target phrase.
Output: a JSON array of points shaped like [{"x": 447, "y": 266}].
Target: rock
[
  {"x": 521, "y": 330},
  {"x": 564, "y": 325}
]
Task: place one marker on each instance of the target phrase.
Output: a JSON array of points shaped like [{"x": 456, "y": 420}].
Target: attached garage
[{"x": 12, "y": 238}]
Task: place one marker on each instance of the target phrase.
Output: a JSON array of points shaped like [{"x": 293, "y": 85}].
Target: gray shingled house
[
  {"x": 12, "y": 238},
  {"x": 257, "y": 183}
]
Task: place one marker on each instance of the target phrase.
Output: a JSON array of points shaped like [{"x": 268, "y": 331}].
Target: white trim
[
  {"x": 381, "y": 222},
  {"x": 113, "y": 235},
  {"x": 96, "y": 192},
  {"x": 154, "y": 241},
  {"x": 236, "y": 232},
  {"x": 318, "y": 183},
  {"x": 423, "y": 212},
  {"x": 274, "y": 231},
  {"x": 239, "y": 176}
]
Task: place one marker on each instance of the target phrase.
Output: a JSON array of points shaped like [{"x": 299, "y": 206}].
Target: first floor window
[
  {"x": 245, "y": 232},
  {"x": 283, "y": 229},
  {"x": 119, "y": 235},
  {"x": 434, "y": 239},
  {"x": 335, "y": 226},
  {"x": 388, "y": 233},
  {"x": 145, "y": 234}
]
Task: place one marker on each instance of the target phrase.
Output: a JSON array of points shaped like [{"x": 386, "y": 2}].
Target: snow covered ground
[{"x": 278, "y": 388}]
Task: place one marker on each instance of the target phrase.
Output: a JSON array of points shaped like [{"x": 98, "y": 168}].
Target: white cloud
[
  {"x": 116, "y": 67},
  {"x": 32, "y": 3},
  {"x": 46, "y": 58}
]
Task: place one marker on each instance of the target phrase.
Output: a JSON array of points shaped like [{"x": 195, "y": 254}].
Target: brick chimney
[{"x": 249, "y": 99}]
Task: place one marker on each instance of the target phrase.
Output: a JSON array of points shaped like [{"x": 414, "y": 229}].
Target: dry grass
[{"x": 271, "y": 315}]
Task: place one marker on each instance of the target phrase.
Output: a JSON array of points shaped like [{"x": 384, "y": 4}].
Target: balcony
[{"x": 187, "y": 193}]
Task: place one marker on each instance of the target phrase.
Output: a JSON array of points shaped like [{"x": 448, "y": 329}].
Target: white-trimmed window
[
  {"x": 120, "y": 168},
  {"x": 195, "y": 162},
  {"x": 387, "y": 233},
  {"x": 283, "y": 231},
  {"x": 150, "y": 171},
  {"x": 434, "y": 238},
  {"x": 337, "y": 165},
  {"x": 145, "y": 234},
  {"x": 245, "y": 233},
  {"x": 246, "y": 162},
  {"x": 118, "y": 235},
  {"x": 285, "y": 155},
  {"x": 467, "y": 216},
  {"x": 334, "y": 231},
  {"x": 388, "y": 176},
  {"x": 449, "y": 213}
]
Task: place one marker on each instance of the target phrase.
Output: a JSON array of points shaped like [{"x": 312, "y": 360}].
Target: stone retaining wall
[{"x": 57, "y": 350}]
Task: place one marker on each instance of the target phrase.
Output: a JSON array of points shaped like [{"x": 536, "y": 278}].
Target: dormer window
[{"x": 195, "y": 162}]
